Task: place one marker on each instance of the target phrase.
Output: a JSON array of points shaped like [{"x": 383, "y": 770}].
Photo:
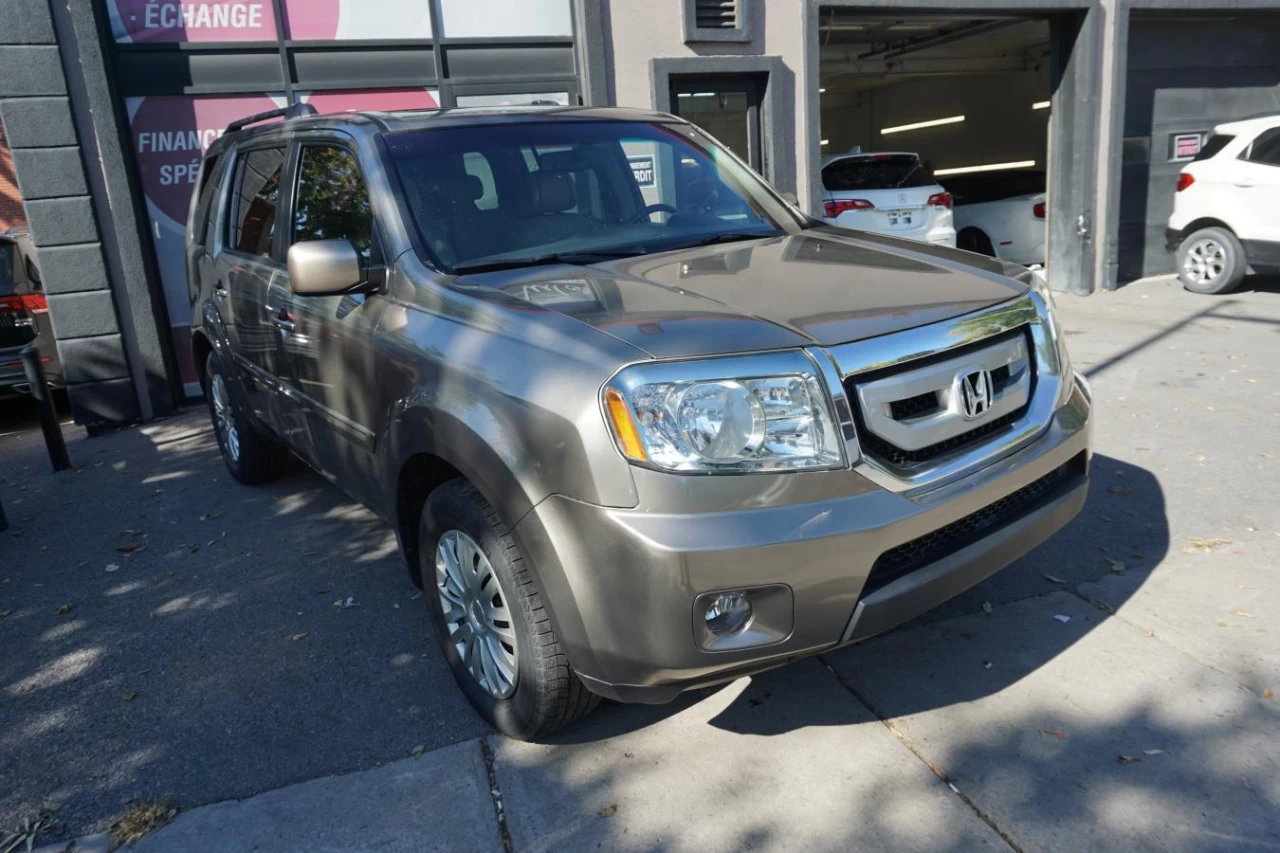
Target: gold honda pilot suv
[{"x": 640, "y": 424}]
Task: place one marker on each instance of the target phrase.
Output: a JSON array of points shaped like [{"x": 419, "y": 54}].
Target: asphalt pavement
[{"x": 1112, "y": 690}]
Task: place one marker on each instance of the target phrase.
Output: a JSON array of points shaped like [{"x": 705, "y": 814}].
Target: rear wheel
[
  {"x": 251, "y": 455},
  {"x": 975, "y": 240},
  {"x": 490, "y": 618},
  {"x": 1211, "y": 261}
]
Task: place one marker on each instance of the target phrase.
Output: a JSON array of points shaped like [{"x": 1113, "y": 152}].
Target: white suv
[
  {"x": 888, "y": 193},
  {"x": 1226, "y": 213}
]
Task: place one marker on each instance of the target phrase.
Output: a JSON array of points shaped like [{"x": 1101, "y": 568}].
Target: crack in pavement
[
  {"x": 887, "y": 722},
  {"x": 495, "y": 793}
]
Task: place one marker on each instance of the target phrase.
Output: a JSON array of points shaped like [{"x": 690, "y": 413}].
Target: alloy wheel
[
  {"x": 475, "y": 611},
  {"x": 224, "y": 418},
  {"x": 1205, "y": 261}
]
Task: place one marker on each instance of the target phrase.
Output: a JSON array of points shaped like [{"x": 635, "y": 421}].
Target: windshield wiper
[
  {"x": 726, "y": 237},
  {"x": 572, "y": 258}
]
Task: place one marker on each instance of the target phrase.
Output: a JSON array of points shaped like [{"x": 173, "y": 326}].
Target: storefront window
[
  {"x": 496, "y": 18},
  {"x": 521, "y": 100},
  {"x": 339, "y": 20}
]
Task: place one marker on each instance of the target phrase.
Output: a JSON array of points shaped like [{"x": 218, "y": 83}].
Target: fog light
[{"x": 729, "y": 613}]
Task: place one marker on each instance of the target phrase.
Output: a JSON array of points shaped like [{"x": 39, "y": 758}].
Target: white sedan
[
  {"x": 888, "y": 193},
  {"x": 1001, "y": 214}
]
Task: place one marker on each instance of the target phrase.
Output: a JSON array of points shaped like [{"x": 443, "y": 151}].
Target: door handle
[
  {"x": 219, "y": 290},
  {"x": 283, "y": 323}
]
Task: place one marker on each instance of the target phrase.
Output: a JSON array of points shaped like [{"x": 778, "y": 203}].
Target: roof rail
[{"x": 294, "y": 111}]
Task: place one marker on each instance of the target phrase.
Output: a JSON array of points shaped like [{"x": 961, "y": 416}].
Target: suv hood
[{"x": 825, "y": 286}]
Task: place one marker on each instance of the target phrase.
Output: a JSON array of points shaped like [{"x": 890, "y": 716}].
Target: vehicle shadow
[{"x": 1122, "y": 528}]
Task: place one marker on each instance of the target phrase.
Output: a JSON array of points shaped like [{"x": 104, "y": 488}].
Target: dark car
[
  {"x": 640, "y": 424},
  {"x": 24, "y": 315}
]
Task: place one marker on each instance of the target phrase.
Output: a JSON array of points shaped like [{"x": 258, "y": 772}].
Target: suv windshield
[
  {"x": 876, "y": 172},
  {"x": 510, "y": 195}
]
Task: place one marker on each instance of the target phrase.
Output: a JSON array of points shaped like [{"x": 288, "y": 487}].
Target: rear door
[
  {"x": 327, "y": 347},
  {"x": 250, "y": 282}
]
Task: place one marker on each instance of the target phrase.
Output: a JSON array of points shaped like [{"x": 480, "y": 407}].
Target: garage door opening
[{"x": 937, "y": 128}]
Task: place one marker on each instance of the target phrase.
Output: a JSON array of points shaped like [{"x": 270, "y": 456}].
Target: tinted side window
[
  {"x": 253, "y": 222},
  {"x": 1266, "y": 148},
  {"x": 7, "y": 284},
  {"x": 1212, "y": 146},
  {"x": 332, "y": 202}
]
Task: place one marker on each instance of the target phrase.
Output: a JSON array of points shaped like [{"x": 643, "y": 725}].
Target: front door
[
  {"x": 251, "y": 281},
  {"x": 1255, "y": 179},
  {"x": 727, "y": 106},
  {"x": 327, "y": 347}
]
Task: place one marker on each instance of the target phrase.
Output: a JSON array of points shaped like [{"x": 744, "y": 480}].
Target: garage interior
[{"x": 985, "y": 80}]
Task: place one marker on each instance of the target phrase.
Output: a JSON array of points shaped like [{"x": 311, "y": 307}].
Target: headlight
[{"x": 764, "y": 412}]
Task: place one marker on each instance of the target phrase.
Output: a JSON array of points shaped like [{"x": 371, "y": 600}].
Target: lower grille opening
[{"x": 931, "y": 547}]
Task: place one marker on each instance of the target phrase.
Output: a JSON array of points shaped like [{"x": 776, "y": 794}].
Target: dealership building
[{"x": 108, "y": 104}]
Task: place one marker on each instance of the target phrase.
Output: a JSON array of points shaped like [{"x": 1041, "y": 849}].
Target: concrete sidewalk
[{"x": 1114, "y": 690}]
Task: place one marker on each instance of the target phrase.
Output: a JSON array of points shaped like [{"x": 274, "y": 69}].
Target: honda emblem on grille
[{"x": 975, "y": 393}]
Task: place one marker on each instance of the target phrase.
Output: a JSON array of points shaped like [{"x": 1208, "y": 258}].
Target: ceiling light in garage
[
  {"x": 1040, "y": 105},
  {"x": 821, "y": 90},
  {"x": 986, "y": 167},
  {"x": 921, "y": 124},
  {"x": 826, "y": 141}
]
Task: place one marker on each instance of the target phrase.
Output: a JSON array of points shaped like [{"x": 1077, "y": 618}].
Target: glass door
[{"x": 727, "y": 107}]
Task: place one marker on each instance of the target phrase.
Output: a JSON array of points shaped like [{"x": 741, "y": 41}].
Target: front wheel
[
  {"x": 490, "y": 618},
  {"x": 1211, "y": 261}
]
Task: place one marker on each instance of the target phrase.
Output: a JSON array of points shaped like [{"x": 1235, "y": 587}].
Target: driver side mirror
[{"x": 325, "y": 268}]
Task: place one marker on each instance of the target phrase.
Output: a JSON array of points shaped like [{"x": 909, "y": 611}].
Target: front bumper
[{"x": 621, "y": 583}]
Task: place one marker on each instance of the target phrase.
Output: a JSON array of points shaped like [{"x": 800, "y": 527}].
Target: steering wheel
[{"x": 650, "y": 210}]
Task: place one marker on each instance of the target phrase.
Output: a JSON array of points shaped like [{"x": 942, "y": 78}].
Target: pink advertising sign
[
  {"x": 171, "y": 134},
  {"x": 385, "y": 100},
  {"x": 254, "y": 20},
  {"x": 192, "y": 20}
]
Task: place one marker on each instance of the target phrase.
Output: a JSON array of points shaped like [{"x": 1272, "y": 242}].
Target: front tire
[
  {"x": 251, "y": 455},
  {"x": 490, "y": 619},
  {"x": 1211, "y": 261}
]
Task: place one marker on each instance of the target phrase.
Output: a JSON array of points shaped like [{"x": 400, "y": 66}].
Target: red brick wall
[{"x": 11, "y": 214}]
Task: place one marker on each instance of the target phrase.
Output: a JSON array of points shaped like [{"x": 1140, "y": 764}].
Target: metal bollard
[{"x": 48, "y": 416}]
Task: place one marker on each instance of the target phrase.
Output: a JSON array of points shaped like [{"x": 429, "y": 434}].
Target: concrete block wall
[{"x": 48, "y": 159}]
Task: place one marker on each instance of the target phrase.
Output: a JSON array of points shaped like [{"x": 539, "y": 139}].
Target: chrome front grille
[{"x": 914, "y": 413}]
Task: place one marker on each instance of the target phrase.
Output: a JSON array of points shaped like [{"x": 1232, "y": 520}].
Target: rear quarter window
[{"x": 1212, "y": 146}]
